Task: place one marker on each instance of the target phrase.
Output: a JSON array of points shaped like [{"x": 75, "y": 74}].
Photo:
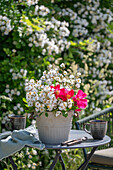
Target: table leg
[
  {"x": 84, "y": 165},
  {"x": 58, "y": 152},
  {"x": 62, "y": 162},
  {"x": 12, "y": 162}
]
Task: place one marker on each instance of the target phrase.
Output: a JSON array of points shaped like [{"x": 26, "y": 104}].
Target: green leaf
[
  {"x": 54, "y": 82},
  {"x": 24, "y": 100},
  {"x": 26, "y": 105},
  {"x": 46, "y": 114},
  {"x": 73, "y": 43},
  {"x": 3, "y": 105},
  {"x": 5, "y": 98},
  {"x": 40, "y": 114},
  {"x": 65, "y": 114},
  {"x": 34, "y": 26}
]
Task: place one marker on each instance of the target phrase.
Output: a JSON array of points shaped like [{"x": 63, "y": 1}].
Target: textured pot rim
[
  {"x": 53, "y": 112},
  {"x": 17, "y": 116},
  {"x": 98, "y": 121}
]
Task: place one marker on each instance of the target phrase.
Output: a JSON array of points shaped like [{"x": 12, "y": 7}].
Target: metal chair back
[{"x": 106, "y": 114}]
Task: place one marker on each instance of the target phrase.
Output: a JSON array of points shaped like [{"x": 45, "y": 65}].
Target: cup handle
[
  {"x": 84, "y": 128},
  {"x": 8, "y": 125}
]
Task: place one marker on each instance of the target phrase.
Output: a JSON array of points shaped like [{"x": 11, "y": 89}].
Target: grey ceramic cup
[
  {"x": 98, "y": 128},
  {"x": 16, "y": 122}
]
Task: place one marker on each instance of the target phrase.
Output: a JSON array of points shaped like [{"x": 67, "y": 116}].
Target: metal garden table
[
  {"x": 74, "y": 134},
  {"x": 90, "y": 142}
]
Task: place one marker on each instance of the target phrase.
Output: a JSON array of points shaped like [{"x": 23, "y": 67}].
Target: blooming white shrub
[
  {"x": 29, "y": 2},
  {"x": 88, "y": 19},
  {"x": 50, "y": 46},
  {"x": 5, "y": 25}
]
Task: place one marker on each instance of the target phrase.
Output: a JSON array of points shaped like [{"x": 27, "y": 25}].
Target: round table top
[{"x": 76, "y": 134}]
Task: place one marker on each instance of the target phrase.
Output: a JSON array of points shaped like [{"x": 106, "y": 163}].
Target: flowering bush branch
[{"x": 56, "y": 91}]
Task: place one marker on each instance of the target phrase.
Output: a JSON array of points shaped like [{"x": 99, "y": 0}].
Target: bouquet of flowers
[{"x": 57, "y": 91}]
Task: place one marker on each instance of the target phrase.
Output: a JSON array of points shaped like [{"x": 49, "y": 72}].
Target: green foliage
[{"x": 33, "y": 25}]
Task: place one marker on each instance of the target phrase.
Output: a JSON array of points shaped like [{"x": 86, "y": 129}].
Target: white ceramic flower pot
[{"x": 52, "y": 129}]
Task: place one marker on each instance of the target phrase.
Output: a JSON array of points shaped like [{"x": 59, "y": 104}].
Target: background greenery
[{"x": 36, "y": 33}]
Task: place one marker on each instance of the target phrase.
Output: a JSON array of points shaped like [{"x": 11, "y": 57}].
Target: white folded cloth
[{"x": 11, "y": 142}]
